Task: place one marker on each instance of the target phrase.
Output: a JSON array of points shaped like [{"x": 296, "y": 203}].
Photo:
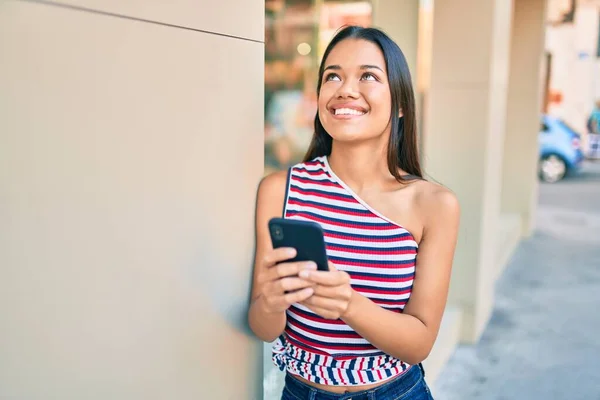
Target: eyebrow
[{"x": 365, "y": 66}]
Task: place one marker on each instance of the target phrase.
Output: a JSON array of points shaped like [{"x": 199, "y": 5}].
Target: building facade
[{"x": 573, "y": 54}]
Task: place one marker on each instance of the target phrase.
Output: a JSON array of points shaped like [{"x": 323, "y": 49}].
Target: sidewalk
[{"x": 543, "y": 340}]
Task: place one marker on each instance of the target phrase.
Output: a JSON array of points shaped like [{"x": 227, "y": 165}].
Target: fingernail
[
  {"x": 310, "y": 291},
  {"x": 311, "y": 265},
  {"x": 304, "y": 274},
  {"x": 291, "y": 252}
]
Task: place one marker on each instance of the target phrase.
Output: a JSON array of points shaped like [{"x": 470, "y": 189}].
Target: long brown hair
[{"x": 403, "y": 151}]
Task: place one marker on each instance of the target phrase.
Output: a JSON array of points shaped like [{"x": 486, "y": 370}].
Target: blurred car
[{"x": 560, "y": 149}]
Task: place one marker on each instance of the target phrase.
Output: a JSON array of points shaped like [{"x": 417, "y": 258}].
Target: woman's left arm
[{"x": 408, "y": 336}]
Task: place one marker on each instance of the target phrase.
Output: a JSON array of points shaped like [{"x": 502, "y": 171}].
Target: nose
[{"x": 348, "y": 89}]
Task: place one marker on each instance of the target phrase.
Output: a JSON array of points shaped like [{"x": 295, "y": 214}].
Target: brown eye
[{"x": 367, "y": 76}]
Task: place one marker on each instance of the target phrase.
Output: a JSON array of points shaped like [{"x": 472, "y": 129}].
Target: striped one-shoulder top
[{"x": 378, "y": 254}]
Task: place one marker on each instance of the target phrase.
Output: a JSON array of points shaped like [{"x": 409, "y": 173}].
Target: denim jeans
[{"x": 409, "y": 386}]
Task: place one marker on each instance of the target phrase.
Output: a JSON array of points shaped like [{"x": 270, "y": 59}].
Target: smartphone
[{"x": 304, "y": 236}]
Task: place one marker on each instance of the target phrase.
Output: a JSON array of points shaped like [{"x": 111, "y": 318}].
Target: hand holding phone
[
  {"x": 297, "y": 246},
  {"x": 304, "y": 236},
  {"x": 280, "y": 284},
  {"x": 332, "y": 288}
]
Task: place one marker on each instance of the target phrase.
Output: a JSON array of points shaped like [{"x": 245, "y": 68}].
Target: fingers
[
  {"x": 326, "y": 278},
  {"x": 277, "y": 302},
  {"x": 278, "y": 255},
  {"x": 291, "y": 284},
  {"x": 290, "y": 269},
  {"x": 343, "y": 293},
  {"x": 298, "y": 296},
  {"x": 326, "y": 303}
]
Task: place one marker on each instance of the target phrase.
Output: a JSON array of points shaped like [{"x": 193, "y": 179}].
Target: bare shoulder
[
  {"x": 273, "y": 181},
  {"x": 271, "y": 191},
  {"x": 436, "y": 201}
]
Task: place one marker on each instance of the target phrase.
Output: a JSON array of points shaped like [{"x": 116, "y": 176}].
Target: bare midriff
[{"x": 343, "y": 389}]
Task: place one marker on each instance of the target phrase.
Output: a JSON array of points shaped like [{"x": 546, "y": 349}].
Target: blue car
[{"x": 560, "y": 149}]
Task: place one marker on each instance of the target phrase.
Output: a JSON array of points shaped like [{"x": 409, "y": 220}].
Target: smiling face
[
  {"x": 366, "y": 95},
  {"x": 354, "y": 99}
]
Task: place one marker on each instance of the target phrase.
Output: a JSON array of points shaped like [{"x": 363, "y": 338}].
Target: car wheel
[{"x": 552, "y": 168}]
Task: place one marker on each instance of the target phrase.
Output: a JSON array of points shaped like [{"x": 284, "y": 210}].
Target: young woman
[{"x": 360, "y": 330}]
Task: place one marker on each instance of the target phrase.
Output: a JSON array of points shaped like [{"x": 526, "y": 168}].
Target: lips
[{"x": 346, "y": 109}]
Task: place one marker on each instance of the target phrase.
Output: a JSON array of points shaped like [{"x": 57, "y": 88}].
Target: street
[{"x": 543, "y": 339}]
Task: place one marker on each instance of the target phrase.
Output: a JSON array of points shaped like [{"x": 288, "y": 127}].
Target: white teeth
[{"x": 348, "y": 111}]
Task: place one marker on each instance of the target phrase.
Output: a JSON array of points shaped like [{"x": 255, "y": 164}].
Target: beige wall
[
  {"x": 400, "y": 20},
  {"x": 129, "y": 157},
  {"x": 464, "y": 137},
  {"x": 527, "y": 74},
  {"x": 243, "y": 19}
]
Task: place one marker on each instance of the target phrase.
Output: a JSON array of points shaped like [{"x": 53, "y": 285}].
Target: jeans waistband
[{"x": 391, "y": 389}]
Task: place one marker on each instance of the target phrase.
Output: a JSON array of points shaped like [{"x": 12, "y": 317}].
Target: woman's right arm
[{"x": 275, "y": 284}]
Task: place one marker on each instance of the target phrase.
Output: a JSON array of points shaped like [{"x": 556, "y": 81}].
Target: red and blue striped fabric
[{"x": 378, "y": 254}]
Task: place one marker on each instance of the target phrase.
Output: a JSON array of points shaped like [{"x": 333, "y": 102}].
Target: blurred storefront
[
  {"x": 296, "y": 35},
  {"x": 573, "y": 62}
]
